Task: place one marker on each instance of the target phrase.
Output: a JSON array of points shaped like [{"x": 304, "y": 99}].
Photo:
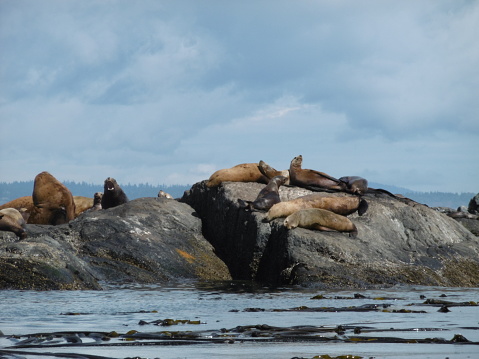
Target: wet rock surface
[
  {"x": 148, "y": 240},
  {"x": 399, "y": 241}
]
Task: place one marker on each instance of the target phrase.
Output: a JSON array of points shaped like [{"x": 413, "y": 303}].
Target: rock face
[
  {"x": 399, "y": 241},
  {"x": 208, "y": 236},
  {"x": 148, "y": 240}
]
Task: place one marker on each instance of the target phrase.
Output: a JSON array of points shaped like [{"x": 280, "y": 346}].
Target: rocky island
[{"x": 207, "y": 235}]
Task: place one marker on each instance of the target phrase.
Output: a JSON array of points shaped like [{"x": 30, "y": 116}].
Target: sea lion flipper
[
  {"x": 247, "y": 205},
  {"x": 363, "y": 206}
]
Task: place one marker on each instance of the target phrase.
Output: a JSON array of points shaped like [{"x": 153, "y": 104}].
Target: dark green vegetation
[{"x": 10, "y": 191}]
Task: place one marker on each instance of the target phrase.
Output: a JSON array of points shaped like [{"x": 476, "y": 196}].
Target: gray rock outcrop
[
  {"x": 148, "y": 240},
  {"x": 399, "y": 242},
  {"x": 207, "y": 236}
]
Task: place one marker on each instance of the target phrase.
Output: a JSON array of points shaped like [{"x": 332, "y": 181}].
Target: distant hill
[{"x": 9, "y": 191}]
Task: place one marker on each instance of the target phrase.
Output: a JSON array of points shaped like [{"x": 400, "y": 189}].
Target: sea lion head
[
  {"x": 280, "y": 180},
  {"x": 291, "y": 222},
  {"x": 110, "y": 184},
  {"x": 297, "y": 161}
]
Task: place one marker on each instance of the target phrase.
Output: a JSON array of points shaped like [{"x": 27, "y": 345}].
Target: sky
[{"x": 167, "y": 92}]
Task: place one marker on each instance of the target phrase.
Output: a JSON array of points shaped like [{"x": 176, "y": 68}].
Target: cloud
[{"x": 169, "y": 91}]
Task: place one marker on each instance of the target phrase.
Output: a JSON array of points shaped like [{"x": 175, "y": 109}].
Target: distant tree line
[{"x": 9, "y": 191}]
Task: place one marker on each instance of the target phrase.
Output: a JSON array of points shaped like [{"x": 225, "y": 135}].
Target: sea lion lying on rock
[
  {"x": 320, "y": 219},
  {"x": 18, "y": 203},
  {"x": 11, "y": 220},
  {"x": 165, "y": 195},
  {"x": 343, "y": 205},
  {"x": 245, "y": 172},
  {"x": 82, "y": 204},
  {"x": 270, "y": 172},
  {"x": 53, "y": 201},
  {"x": 355, "y": 184},
  {"x": 310, "y": 178},
  {"x": 267, "y": 197},
  {"x": 113, "y": 195}
]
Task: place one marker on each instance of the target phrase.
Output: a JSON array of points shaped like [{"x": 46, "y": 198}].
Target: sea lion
[
  {"x": 11, "y": 220},
  {"x": 310, "y": 178},
  {"x": 267, "y": 197},
  {"x": 245, "y": 172},
  {"x": 113, "y": 195},
  {"x": 97, "y": 201},
  {"x": 320, "y": 219},
  {"x": 270, "y": 172},
  {"x": 21, "y": 202},
  {"x": 82, "y": 204},
  {"x": 165, "y": 195},
  {"x": 343, "y": 205},
  {"x": 53, "y": 201},
  {"x": 355, "y": 184}
]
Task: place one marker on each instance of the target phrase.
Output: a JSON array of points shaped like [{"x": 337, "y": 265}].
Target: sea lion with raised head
[
  {"x": 307, "y": 178},
  {"x": 270, "y": 172},
  {"x": 320, "y": 219},
  {"x": 11, "y": 220},
  {"x": 97, "y": 201},
  {"x": 245, "y": 172},
  {"x": 267, "y": 197},
  {"x": 53, "y": 201},
  {"x": 343, "y": 205},
  {"x": 355, "y": 184},
  {"x": 113, "y": 195}
]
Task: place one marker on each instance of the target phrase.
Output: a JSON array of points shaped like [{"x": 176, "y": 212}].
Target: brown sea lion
[
  {"x": 320, "y": 219},
  {"x": 355, "y": 184},
  {"x": 113, "y": 195},
  {"x": 97, "y": 201},
  {"x": 21, "y": 202},
  {"x": 270, "y": 172},
  {"x": 267, "y": 197},
  {"x": 11, "y": 220},
  {"x": 82, "y": 204},
  {"x": 245, "y": 172},
  {"x": 165, "y": 195},
  {"x": 53, "y": 201},
  {"x": 343, "y": 205},
  {"x": 310, "y": 178}
]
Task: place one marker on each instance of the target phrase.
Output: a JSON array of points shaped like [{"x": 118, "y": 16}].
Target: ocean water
[{"x": 239, "y": 320}]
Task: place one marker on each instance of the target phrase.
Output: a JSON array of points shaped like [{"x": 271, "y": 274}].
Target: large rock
[
  {"x": 399, "y": 242},
  {"x": 148, "y": 240}
]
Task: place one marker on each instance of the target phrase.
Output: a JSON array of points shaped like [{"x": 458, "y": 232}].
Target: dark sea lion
[
  {"x": 162, "y": 193},
  {"x": 245, "y": 172},
  {"x": 355, "y": 184},
  {"x": 320, "y": 219},
  {"x": 343, "y": 205},
  {"x": 53, "y": 201},
  {"x": 270, "y": 172},
  {"x": 267, "y": 197},
  {"x": 113, "y": 195},
  {"x": 310, "y": 178},
  {"x": 11, "y": 220}
]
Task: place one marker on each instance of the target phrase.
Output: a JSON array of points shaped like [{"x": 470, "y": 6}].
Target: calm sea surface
[{"x": 236, "y": 320}]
